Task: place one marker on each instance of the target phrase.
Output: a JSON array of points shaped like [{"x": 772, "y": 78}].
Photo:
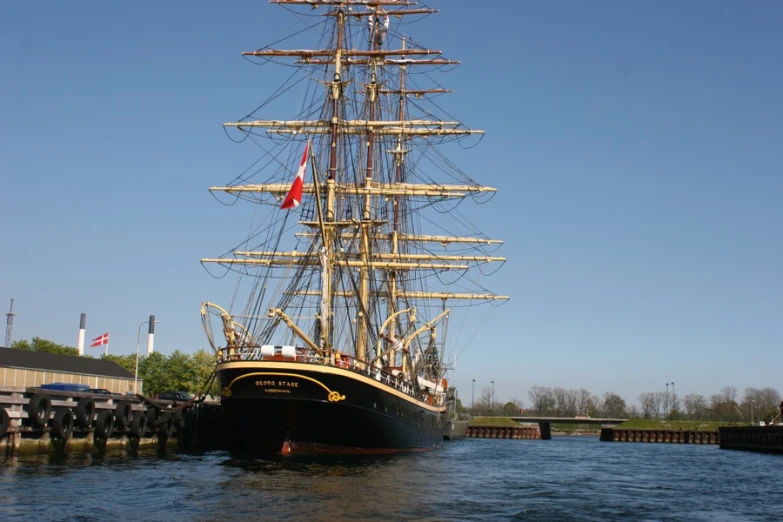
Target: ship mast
[
  {"x": 348, "y": 243},
  {"x": 326, "y": 254},
  {"x": 399, "y": 155},
  {"x": 363, "y": 308}
]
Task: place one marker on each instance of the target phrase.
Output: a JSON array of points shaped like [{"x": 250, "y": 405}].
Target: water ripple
[{"x": 565, "y": 479}]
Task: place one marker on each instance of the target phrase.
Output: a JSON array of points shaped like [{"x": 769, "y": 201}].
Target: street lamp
[
  {"x": 138, "y": 340},
  {"x": 472, "y": 394},
  {"x": 493, "y": 395},
  {"x": 666, "y": 403},
  {"x": 674, "y": 397},
  {"x": 752, "y": 417}
]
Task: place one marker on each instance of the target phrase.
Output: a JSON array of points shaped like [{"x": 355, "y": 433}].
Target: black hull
[{"x": 273, "y": 407}]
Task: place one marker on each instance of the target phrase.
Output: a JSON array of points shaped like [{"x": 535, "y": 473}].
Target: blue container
[{"x": 65, "y": 386}]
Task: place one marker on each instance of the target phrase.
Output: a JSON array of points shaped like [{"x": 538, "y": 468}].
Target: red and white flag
[
  {"x": 294, "y": 197},
  {"x": 100, "y": 340}
]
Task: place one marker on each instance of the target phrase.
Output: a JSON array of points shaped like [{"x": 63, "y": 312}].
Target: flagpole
[{"x": 106, "y": 350}]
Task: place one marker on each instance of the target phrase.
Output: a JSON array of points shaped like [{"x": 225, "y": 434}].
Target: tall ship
[{"x": 362, "y": 253}]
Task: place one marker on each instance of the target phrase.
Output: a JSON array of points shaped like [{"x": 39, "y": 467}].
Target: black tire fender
[
  {"x": 166, "y": 428},
  {"x": 62, "y": 424},
  {"x": 163, "y": 418},
  {"x": 179, "y": 417},
  {"x": 85, "y": 412},
  {"x": 5, "y": 422},
  {"x": 138, "y": 425},
  {"x": 123, "y": 413},
  {"x": 104, "y": 424},
  {"x": 152, "y": 416},
  {"x": 39, "y": 408}
]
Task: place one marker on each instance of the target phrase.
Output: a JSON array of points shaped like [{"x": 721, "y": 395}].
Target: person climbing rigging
[{"x": 379, "y": 25}]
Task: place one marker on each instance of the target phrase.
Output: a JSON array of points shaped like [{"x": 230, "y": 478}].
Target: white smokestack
[
  {"x": 82, "y": 322},
  {"x": 151, "y": 336}
]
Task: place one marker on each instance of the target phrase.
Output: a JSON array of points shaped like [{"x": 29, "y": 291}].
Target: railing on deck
[{"x": 334, "y": 359}]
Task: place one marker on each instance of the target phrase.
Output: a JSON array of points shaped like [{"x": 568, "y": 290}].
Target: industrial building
[{"x": 21, "y": 368}]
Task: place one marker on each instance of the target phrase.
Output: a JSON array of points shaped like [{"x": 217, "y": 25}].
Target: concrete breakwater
[{"x": 658, "y": 436}]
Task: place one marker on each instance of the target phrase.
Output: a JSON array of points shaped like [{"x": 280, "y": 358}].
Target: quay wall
[
  {"x": 503, "y": 432},
  {"x": 765, "y": 439},
  {"x": 36, "y": 420},
  {"x": 659, "y": 436}
]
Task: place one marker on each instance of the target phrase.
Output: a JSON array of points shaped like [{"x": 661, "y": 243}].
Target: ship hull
[{"x": 288, "y": 408}]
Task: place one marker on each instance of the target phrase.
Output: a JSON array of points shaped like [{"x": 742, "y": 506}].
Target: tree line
[
  {"x": 192, "y": 372},
  {"x": 159, "y": 373},
  {"x": 725, "y": 406}
]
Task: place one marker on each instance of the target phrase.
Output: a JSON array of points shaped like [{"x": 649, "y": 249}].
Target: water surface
[{"x": 566, "y": 478}]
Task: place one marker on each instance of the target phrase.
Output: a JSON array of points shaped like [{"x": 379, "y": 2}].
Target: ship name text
[{"x": 279, "y": 384}]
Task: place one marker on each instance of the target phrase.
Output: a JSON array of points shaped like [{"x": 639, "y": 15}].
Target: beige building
[{"x": 21, "y": 368}]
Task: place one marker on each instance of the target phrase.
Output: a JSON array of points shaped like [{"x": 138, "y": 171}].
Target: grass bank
[
  {"x": 502, "y": 422},
  {"x": 643, "y": 424},
  {"x": 492, "y": 421},
  {"x": 638, "y": 424}
]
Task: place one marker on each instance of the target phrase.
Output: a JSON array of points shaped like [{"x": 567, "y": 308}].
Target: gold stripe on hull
[
  {"x": 292, "y": 366},
  {"x": 332, "y": 397}
]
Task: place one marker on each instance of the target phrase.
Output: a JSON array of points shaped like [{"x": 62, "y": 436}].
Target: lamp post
[
  {"x": 674, "y": 398},
  {"x": 492, "y": 405},
  {"x": 138, "y": 340},
  {"x": 472, "y": 394},
  {"x": 752, "y": 417},
  {"x": 666, "y": 403}
]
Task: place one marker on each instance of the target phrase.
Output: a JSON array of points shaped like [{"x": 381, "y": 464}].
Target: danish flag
[
  {"x": 100, "y": 340},
  {"x": 294, "y": 197}
]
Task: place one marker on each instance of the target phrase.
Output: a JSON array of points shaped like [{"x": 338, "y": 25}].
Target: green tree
[
  {"x": 696, "y": 406},
  {"x": 22, "y": 344},
  {"x": 153, "y": 370},
  {"x": 760, "y": 403},
  {"x": 484, "y": 404},
  {"x": 45, "y": 346},
  {"x": 614, "y": 405},
  {"x": 126, "y": 361},
  {"x": 510, "y": 409},
  {"x": 542, "y": 399},
  {"x": 724, "y": 405},
  {"x": 180, "y": 372},
  {"x": 204, "y": 367}
]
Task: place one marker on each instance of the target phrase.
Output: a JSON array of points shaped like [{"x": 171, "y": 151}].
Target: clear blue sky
[{"x": 636, "y": 147}]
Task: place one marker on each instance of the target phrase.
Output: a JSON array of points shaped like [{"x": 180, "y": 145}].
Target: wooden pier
[
  {"x": 503, "y": 432},
  {"x": 37, "y": 420},
  {"x": 659, "y": 436}
]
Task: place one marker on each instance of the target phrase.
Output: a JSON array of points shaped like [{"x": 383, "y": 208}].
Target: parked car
[
  {"x": 65, "y": 386},
  {"x": 175, "y": 396},
  {"x": 102, "y": 391}
]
